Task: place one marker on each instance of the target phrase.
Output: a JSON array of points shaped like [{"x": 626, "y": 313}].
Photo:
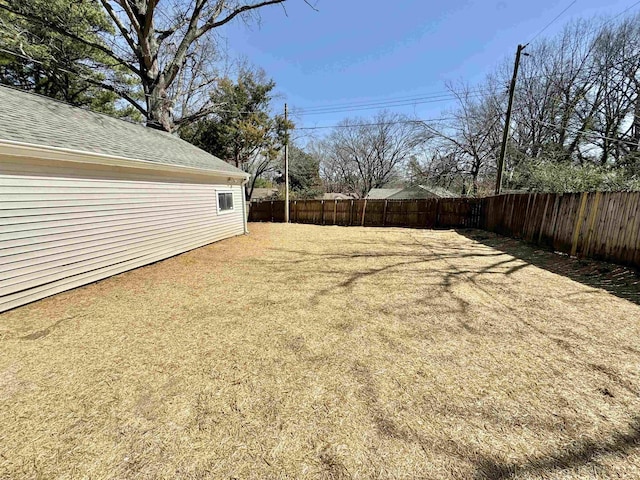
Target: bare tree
[
  {"x": 467, "y": 143},
  {"x": 578, "y": 92},
  {"x": 167, "y": 50},
  {"x": 363, "y": 154}
]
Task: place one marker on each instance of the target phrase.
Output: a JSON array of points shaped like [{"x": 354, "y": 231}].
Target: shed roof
[
  {"x": 382, "y": 193},
  {"x": 336, "y": 196},
  {"x": 37, "y": 120},
  {"x": 421, "y": 191},
  {"x": 261, "y": 193},
  {"x": 409, "y": 193}
]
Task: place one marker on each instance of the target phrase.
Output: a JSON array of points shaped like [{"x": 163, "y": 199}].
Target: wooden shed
[{"x": 84, "y": 196}]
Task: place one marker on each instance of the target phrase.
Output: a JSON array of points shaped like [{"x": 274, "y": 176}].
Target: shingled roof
[
  {"x": 409, "y": 193},
  {"x": 38, "y": 120},
  {"x": 382, "y": 193}
]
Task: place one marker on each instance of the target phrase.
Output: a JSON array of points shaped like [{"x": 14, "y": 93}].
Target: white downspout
[{"x": 244, "y": 206}]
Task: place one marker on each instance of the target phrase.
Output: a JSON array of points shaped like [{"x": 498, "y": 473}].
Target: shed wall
[{"x": 59, "y": 231}]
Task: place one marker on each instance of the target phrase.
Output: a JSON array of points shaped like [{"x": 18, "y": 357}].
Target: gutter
[{"x": 9, "y": 147}]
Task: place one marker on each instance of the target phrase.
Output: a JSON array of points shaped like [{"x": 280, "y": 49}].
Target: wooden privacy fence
[
  {"x": 595, "y": 225},
  {"x": 422, "y": 213}
]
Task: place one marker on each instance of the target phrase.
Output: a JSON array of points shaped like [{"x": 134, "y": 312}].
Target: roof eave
[{"x": 10, "y": 147}]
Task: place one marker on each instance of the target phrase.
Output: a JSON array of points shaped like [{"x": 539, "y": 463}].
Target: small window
[{"x": 225, "y": 202}]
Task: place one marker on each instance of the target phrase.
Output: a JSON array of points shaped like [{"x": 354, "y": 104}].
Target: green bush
[{"x": 546, "y": 176}]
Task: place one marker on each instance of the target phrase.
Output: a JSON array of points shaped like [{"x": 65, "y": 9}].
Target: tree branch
[
  {"x": 148, "y": 17},
  {"x": 196, "y": 116},
  {"x": 313, "y": 7},
  {"x": 73, "y": 36},
  {"x": 173, "y": 67},
  {"x": 114, "y": 16},
  {"x": 120, "y": 93},
  {"x": 131, "y": 14},
  {"x": 98, "y": 83},
  {"x": 211, "y": 23}
]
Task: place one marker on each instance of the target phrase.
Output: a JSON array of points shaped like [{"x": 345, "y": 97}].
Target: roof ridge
[
  {"x": 62, "y": 102},
  {"x": 36, "y": 119}
]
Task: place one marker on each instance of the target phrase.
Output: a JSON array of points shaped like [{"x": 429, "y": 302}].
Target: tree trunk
[
  {"x": 248, "y": 189},
  {"x": 635, "y": 131},
  {"x": 159, "y": 108}
]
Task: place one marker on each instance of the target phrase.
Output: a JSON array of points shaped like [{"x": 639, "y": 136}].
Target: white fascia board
[{"x": 9, "y": 147}]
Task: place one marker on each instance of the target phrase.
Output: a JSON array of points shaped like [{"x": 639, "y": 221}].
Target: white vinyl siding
[{"x": 58, "y": 233}]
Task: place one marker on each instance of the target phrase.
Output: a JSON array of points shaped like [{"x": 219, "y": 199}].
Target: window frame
[{"x": 233, "y": 203}]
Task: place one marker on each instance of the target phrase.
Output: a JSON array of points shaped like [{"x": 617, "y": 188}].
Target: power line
[
  {"x": 473, "y": 94},
  {"x": 382, "y": 105},
  {"x": 348, "y": 107},
  {"x": 370, "y": 106},
  {"x": 365, "y": 106},
  {"x": 376, "y": 124},
  {"x": 578, "y": 130},
  {"x": 621, "y": 13},
  {"x": 355, "y": 106},
  {"x": 363, "y": 103},
  {"x": 415, "y": 121},
  {"x": 551, "y": 22},
  {"x": 96, "y": 83}
]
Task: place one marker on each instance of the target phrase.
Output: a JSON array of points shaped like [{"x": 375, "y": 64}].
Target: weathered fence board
[
  {"x": 422, "y": 213},
  {"x": 597, "y": 225},
  {"x": 602, "y": 225}
]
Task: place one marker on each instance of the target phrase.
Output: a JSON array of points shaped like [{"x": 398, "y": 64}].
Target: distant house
[
  {"x": 263, "y": 194},
  {"x": 409, "y": 193},
  {"x": 86, "y": 196},
  {"x": 382, "y": 193},
  {"x": 336, "y": 196}
]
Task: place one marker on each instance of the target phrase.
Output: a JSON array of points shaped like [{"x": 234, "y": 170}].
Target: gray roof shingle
[
  {"x": 409, "y": 193},
  {"x": 421, "y": 191},
  {"x": 381, "y": 193},
  {"x": 38, "y": 120}
]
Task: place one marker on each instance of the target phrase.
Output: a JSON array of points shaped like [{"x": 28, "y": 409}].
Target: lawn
[{"x": 328, "y": 352}]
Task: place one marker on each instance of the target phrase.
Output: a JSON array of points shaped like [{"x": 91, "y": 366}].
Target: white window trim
[{"x": 232, "y": 209}]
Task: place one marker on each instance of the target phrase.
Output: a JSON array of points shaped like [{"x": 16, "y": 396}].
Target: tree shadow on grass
[
  {"x": 584, "y": 453},
  {"x": 394, "y": 262},
  {"x": 619, "y": 280}
]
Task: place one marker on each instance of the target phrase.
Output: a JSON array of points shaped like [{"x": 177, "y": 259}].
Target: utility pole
[
  {"x": 505, "y": 134},
  {"x": 286, "y": 164}
]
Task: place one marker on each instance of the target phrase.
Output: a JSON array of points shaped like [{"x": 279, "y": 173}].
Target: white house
[{"x": 84, "y": 196}]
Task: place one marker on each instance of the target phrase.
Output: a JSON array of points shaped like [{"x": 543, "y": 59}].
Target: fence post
[
  {"x": 321, "y": 212},
  {"x": 544, "y": 216},
  {"x": 436, "y": 223},
  {"x": 335, "y": 210},
  {"x": 578, "y": 225},
  {"x": 351, "y": 213},
  {"x": 384, "y": 213},
  {"x": 592, "y": 221},
  {"x": 554, "y": 218},
  {"x": 364, "y": 211}
]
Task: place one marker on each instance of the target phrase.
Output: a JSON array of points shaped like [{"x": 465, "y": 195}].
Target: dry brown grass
[{"x": 324, "y": 352}]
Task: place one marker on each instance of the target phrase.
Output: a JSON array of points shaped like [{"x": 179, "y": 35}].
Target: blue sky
[{"x": 359, "y": 50}]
